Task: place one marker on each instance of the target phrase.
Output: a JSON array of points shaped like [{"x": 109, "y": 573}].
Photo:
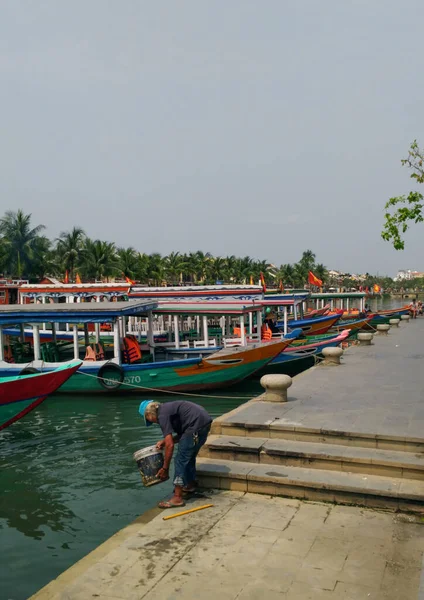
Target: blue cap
[{"x": 142, "y": 411}]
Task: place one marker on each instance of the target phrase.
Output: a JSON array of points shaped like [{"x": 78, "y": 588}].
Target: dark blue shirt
[{"x": 182, "y": 417}]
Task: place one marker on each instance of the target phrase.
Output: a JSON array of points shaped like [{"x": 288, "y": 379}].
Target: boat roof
[
  {"x": 207, "y": 308},
  {"x": 201, "y": 293},
  {"x": 196, "y": 288},
  {"x": 329, "y": 295},
  {"x": 285, "y": 299},
  {"x": 75, "y": 312},
  {"x": 56, "y": 290}
]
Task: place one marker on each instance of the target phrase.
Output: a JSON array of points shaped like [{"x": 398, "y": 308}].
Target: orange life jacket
[
  {"x": 131, "y": 349},
  {"x": 94, "y": 353},
  {"x": 89, "y": 353},
  {"x": 266, "y": 333}
]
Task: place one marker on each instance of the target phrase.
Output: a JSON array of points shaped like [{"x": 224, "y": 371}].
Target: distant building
[{"x": 408, "y": 274}]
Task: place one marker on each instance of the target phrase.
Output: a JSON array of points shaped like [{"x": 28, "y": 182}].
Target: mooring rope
[{"x": 161, "y": 391}]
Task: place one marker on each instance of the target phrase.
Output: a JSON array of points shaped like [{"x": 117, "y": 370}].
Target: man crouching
[{"x": 183, "y": 423}]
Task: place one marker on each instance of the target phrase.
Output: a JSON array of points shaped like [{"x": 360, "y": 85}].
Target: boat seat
[{"x": 202, "y": 344}]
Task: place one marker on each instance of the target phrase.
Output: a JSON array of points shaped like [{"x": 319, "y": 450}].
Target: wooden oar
[{"x": 186, "y": 512}]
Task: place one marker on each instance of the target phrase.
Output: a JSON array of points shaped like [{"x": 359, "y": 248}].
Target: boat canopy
[
  {"x": 207, "y": 308},
  {"x": 329, "y": 295},
  {"x": 81, "y": 312},
  {"x": 201, "y": 293},
  {"x": 285, "y": 299}
]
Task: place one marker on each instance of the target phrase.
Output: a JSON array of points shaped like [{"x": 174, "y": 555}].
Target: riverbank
[{"x": 249, "y": 545}]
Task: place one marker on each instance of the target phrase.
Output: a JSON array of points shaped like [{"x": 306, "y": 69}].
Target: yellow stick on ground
[{"x": 186, "y": 512}]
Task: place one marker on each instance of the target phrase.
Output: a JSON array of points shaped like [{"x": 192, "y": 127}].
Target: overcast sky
[{"x": 229, "y": 126}]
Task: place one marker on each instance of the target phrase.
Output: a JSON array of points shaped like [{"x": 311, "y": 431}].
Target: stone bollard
[
  {"x": 383, "y": 329},
  {"x": 365, "y": 338},
  {"x": 394, "y": 322},
  {"x": 276, "y": 387},
  {"x": 332, "y": 356},
  {"x": 405, "y": 318}
]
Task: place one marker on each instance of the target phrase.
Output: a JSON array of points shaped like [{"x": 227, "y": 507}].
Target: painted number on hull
[{"x": 132, "y": 379}]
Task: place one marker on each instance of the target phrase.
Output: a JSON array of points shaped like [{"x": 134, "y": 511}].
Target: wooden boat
[
  {"x": 122, "y": 373},
  {"x": 221, "y": 369},
  {"x": 290, "y": 359},
  {"x": 351, "y": 324},
  {"x": 318, "y": 312},
  {"x": 393, "y": 312},
  {"x": 315, "y": 339},
  {"x": 313, "y": 326},
  {"x": 20, "y": 394}
]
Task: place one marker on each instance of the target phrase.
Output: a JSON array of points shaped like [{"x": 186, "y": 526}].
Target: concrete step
[
  {"x": 265, "y": 425},
  {"x": 315, "y": 455},
  {"x": 372, "y": 491}
]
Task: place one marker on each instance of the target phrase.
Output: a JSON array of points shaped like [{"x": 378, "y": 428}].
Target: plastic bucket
[{"x": 149, "y": 461}]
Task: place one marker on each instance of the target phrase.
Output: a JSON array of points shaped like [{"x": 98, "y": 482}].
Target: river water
[{"x": 68, "y": 481}]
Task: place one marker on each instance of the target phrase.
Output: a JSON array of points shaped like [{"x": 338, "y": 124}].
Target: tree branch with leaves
[{"x": 409, "y": 208}]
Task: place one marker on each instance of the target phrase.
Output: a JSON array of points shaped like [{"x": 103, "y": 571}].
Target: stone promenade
[{"x": 252, "y": 546}]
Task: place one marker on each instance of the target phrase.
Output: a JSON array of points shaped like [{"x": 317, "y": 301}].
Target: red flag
[
  {"x": 128, "y": 280},
  {"x": 313, "y": 280},
  {"x": 77, "y": 278},
  {"x": 66, "y": 276},
  {"x": 263, "y": 282}
]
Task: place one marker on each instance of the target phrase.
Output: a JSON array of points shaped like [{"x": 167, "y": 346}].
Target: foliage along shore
[{"x": 26, "y": 252}]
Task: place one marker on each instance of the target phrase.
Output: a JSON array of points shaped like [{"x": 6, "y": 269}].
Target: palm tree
[
  {"x": 300, "y": 274},
  {"x": 203, "y": 260},
  {"x": 100, "y": 260},
  {"x": 127, "y": 261},
  {"x": 19, "y": 239},
  {"x": 287, "y": 275},
  {"x": 216, "y": 269},
  {"x": 70, "y": 248},
  {"x": 156, "y": 269},
  {"x": 308, "y": 260},
  {"x": 173, "y": 266},
  {"x": 231, "y": 268},
  {"x": 321, "y": 272},
  {"x": 142, "y": 267},
  {"x": 43, "y": 259},
  {"x": 244, "y": 270}
]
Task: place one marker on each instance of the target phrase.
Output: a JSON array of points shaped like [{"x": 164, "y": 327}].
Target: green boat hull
[{"x": 145, "y": 380}]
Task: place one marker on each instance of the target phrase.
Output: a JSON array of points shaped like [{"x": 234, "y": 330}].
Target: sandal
[{"x": 168, "y": 504}]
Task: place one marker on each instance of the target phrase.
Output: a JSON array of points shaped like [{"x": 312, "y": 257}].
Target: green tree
[
  {"x": 321, "y": 272},
  {"x": 156, "y": 269},
  {"x": 70, "y": 249},
  {"x": 127, "y": 261},
  {"x": 307, "y": 262},
  {"x": 44, "y": 259},
  {"x": 100, "y": 260},
  {"x": 301, "y": 274},
  {"x": 287, "y": 275},
  {"x": 407, "y": 208},
  {"x": 173, "y": 266},
  {"x": 216, "y": 269},
  {"x": 19, "y": 239}
]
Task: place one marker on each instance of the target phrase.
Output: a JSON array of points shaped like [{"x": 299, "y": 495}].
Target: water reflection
[{"x": 68, "y": 481}]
